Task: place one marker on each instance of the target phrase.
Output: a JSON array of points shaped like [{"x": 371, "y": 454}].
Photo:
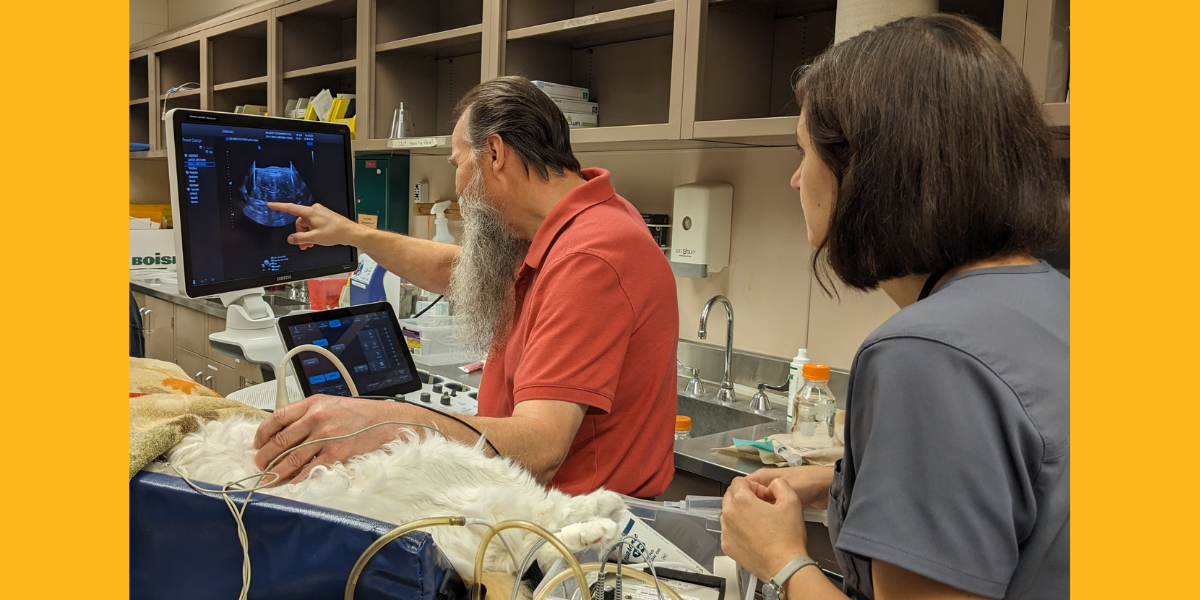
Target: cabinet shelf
[
  {"x": 139, "y": 101},
  {"x": 338, "y": 68},
  {"x": 253, "y": 82},
  {"x": 183, "y": 94},
  {"x": 612, "y": 27},
  {"x": 455, "y": 42},
  {"x": 767, "y": 131},
  {"x": 148, "y": 154},
  {"x": 1058, "y": 115}
]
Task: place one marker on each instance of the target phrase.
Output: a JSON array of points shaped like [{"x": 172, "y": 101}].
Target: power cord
[{"x": 431, "y": 305}]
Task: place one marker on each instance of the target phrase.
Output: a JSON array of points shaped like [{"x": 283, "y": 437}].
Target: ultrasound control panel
[{"x": 445, "y": 395}]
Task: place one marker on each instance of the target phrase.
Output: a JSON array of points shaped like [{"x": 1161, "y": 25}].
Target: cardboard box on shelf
[
  {"x": 576, "y": 106},
  {"x": 577, "y": 120},
  {"x": 567, "y": 92}
]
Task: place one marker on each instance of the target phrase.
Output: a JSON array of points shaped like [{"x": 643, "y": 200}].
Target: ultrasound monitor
[{"x": 224, "y": 168}]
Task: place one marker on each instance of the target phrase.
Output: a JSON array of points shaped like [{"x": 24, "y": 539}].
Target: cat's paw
[
  {"x": 599, "y": 534},
  {"x": 601, "y": 504}
]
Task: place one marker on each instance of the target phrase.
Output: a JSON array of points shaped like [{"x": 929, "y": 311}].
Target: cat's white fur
[{"x": 413, "y": 478}]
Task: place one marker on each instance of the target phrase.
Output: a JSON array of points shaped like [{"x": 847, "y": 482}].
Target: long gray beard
[{"x": 484, "y": 273}]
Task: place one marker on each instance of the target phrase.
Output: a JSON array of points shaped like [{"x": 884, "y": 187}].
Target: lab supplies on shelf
[
  {"x": 566, "y": 92},
  {"x": 576, "y": 106},
  {"x": 577, "y": 120}
]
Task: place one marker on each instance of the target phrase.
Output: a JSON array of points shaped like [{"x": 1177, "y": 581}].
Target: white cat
[{"x": 414, "y": 478}]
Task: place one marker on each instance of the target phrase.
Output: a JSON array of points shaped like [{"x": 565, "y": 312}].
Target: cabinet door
[
  {"x": 221, "y": 379},
  {"x": 249, "y": 373},
  {"x": 190, "y": 330},
  {"x": 193, "y": 364},
  {"x": 159, "y": 329},
  {"x": 214, "y": 325}
]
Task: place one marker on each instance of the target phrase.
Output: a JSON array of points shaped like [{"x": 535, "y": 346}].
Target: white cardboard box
[
  {"x": 576, "y": 106},
  {"x": 152, "y": 249},
  {"x": 576, "y": 120},
  {"x": 558, "y": 90}
]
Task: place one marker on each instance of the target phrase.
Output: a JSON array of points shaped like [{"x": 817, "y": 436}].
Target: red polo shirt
[{"x": 596, "y": 323}]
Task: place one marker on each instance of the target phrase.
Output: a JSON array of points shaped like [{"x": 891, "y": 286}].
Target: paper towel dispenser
[{"x": 701, "y": 223}]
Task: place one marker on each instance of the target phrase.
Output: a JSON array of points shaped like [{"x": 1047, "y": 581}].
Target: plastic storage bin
[
  {"x": 697, "y": 534},
  {"x": 431, "y": 341}
]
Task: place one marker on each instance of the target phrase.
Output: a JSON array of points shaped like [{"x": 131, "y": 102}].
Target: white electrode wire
[
  {"x": 238, "y": 515},
  {"x": 179, "y": 88},
  {"x": 281, "y": 395},
  {"x": 489, "y": 525},
  {"x": 525, "y": 565}
]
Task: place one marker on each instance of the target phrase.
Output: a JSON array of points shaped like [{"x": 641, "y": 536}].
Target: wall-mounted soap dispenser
[{"x": 700, "y": 228}]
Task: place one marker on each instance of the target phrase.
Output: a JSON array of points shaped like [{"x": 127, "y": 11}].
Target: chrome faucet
[{"x": 725, "y": 394}]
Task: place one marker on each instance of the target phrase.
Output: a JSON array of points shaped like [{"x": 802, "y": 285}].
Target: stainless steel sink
[{"x": 708, "y": 417}]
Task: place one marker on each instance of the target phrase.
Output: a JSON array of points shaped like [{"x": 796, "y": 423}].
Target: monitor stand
[{"x": 250, "y": 325}]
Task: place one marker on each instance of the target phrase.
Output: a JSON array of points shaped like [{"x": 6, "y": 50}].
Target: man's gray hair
[{"x": 526, "y": 119}]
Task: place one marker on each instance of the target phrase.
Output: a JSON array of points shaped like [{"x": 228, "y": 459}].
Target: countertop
[{"x": 696, "y": 455}]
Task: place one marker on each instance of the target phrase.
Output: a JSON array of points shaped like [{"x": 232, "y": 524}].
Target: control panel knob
[
  {"x": 425, "y": 397},
  {"x": 445, "y": 399},
  {"x": 454, "y": 392},
  {"x": 474, "y": 395},
  {"x": 437, "y": 388}
]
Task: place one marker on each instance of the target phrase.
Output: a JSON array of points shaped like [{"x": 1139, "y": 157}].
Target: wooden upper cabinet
[
  {"x": 712, "y": 71},
  {"x": 426, "y": 54},
  {"x": 628, "y": 53}
]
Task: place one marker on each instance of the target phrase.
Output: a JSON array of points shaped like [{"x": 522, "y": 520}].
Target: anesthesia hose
[
  {"x": 477, "y": 588},
  {"x": 594, "y": 568}
]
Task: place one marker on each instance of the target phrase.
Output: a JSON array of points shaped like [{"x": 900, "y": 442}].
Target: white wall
[
  {"x": 147, "y": 18},
  {"x": 768, "y": 281},
  {"x": 186, "y": 12}
]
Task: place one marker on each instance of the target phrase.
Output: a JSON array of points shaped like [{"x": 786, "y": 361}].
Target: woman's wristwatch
[{"x": 773, "y": 589}]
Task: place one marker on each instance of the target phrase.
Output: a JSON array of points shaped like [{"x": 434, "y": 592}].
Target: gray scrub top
[{"x": 957, "y": 463}]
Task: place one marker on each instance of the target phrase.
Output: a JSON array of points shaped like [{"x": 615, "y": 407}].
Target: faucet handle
[{"x": 775, "y": 388}]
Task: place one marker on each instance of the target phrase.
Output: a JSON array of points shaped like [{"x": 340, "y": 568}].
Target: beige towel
[{"x": 165, "y": 405}]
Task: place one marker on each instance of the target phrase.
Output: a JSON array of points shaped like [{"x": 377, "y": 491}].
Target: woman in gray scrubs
[{"x": 926, "y": 170}]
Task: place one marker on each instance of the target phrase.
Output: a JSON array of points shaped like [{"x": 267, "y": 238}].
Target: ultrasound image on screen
[
  {"x": 231, "y": 173},
  {"x": 273, "y": 184}
]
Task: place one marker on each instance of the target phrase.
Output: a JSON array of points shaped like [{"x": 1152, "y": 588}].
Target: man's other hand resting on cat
[{"x": 557, "y": 279}]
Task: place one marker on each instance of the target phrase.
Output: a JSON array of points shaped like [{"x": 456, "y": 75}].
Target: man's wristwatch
[{"x": 771, "y": 590}]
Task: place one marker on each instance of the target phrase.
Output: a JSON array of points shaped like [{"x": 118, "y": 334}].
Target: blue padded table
[{"x": 183, "y": 545}]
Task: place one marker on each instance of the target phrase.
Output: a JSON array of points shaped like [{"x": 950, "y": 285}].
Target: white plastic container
[
  {"x": 431, "y": 340},
  {"x": 795, "y": 377}
]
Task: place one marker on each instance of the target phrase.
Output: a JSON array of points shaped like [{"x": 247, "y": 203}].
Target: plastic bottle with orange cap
[
  {"x": 683, "y": 427},
  {"x": 812, "y": 402}
]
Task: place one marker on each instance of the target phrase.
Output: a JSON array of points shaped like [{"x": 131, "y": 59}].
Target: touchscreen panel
[{"x": 369, "y": 346}]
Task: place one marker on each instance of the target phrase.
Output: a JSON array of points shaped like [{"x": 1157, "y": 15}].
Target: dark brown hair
[
  {"x": 940, "y": 150},
  {"x": 525, "y": 118}
]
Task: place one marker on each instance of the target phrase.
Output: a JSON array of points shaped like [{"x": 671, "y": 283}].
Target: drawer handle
[
  {"x": 199, "y": 376},
  {"x": 208, "y": 382},
  {"x": 146, "y": 313}
]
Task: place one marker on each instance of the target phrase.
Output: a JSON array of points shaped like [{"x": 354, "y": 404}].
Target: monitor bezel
[
  {"x": 304, "y": 318},
  {"x": 183, "y": 249}
]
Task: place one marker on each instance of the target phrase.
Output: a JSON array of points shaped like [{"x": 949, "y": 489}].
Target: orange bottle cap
[
  {"x": 816, "y": 372},
  {"x": 683, "y": 423}
]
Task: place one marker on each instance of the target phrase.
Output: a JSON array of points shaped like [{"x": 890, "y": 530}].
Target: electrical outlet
[{"x": 421, "y": 193}]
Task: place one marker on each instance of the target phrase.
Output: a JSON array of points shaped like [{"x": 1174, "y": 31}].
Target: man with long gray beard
[{"x": 557, "y": 279}]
